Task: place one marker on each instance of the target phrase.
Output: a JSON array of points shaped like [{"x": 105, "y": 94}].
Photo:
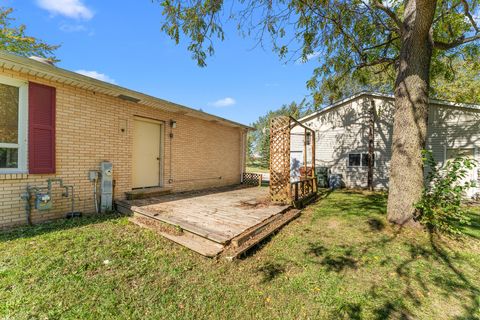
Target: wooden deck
[{"x": 208, "y": 221}]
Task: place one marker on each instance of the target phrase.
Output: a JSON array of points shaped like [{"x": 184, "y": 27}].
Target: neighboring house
[
  {"x": 342, "y": 136},
  {"x": 59, "y": 124}
]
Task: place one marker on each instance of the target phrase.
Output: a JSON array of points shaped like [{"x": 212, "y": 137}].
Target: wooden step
[
  {"x": 147, "y": 193},
  {"x": 187, "y": 239},
  {"x": 233, "y": 251}
]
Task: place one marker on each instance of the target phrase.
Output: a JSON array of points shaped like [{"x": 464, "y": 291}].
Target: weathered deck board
[
  {"x": 218, "y": 216},
  {"x": 196, "y": 243}
]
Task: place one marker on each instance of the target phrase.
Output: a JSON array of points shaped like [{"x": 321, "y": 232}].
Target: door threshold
[{"x": 149, "y": 192}]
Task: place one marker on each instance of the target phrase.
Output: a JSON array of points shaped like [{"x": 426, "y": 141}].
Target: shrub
[{"x": 440, "y": 208}]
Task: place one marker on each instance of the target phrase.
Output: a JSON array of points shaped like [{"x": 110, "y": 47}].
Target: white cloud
[
  {"x": 313, "y": 55},
  {"x": 96, "y": 75},
  {"x": 69, "y": 8},
  {"x": 225, "y": 102},
  {"x": 309, "y": 57},
  {"x": 72, "y": 27}
]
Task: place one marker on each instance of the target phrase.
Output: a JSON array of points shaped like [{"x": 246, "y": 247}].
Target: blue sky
[{"x": 121, "y": 41}]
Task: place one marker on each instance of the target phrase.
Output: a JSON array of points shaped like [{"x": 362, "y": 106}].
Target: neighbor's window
[
  {"x": 359, "y": 159},
  {"x": 11, "y": 135},
  {"x": 354, "y": 159},
  {"x": 451, "y": 154}
]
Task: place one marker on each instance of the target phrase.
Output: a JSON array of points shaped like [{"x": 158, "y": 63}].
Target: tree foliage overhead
[
  {"x": 347, "y": 36},
  {"x": 458, "y": 81},
  {"x": 13, "y": 39}
]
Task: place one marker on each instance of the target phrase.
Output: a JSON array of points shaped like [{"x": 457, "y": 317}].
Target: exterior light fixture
[{"x": 173, "y": 124}]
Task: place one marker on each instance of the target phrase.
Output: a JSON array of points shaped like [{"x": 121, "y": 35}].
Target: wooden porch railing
[{"x": 303, "y": 190}]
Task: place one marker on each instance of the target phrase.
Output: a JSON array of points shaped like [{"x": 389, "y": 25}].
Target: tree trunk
[{"x": 411, "y": 111}]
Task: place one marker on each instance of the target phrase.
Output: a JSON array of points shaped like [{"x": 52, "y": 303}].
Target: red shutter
[{"x": 41, "y": 128}]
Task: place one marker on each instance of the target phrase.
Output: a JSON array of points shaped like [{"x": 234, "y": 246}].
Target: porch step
[
  {"x": 187, "y": 239},
  {"x": 147, "y": 193}
]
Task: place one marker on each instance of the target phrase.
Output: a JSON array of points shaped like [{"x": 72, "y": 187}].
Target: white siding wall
[
  {"x": 452, "y": 128},
  {"x": 344, "y": 129}
]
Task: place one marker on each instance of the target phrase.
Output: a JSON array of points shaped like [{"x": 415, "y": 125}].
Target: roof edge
[
  {"x": 387, "y": 96},
  {"x": 39, "y": 67}
]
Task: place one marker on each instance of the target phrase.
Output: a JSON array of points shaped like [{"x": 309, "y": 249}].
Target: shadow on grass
[
  {"x": 339, "y": 262},
  {"x": 462, "y": 281},
  {"x": 473, "y": 230},
  {"x": 449, "y": 277},
  {"x": 55, "y": 225},
  {"x": 316, "y": 249},
  {"x": 450, "y": 280},
  {"x": 270, "y": 271},
  {"x": 391, "y": 310},
  {"x": 376, "y": 224},
  {"x": 352, "y": 311},
  {"x": 446, "y": 279},
  {"x": 361, "y": 204}
]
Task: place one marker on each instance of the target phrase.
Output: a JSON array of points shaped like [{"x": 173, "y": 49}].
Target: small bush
[{"x": 440, "y": 208}]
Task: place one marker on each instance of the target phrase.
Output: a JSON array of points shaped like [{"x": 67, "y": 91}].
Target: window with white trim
[
  {"x": 13, "y": 109},
  {"x": 359, "y": 159}
]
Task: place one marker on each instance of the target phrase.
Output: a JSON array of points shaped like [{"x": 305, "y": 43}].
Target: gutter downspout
[{"x": 243, "y": 154}]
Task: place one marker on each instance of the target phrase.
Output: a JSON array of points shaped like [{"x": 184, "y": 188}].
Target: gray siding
[{"x": 343, "y": 129}]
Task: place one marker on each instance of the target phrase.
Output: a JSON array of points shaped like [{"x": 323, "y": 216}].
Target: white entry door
[
  {"x": 472, "y": 175},
  {"x": 146, "y": 153}
]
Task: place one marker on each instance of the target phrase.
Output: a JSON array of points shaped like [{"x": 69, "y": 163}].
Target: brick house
[{"x": 57, "y": 124}]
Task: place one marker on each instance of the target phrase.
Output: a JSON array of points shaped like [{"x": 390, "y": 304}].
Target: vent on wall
[{"x": 128, "y": 98}]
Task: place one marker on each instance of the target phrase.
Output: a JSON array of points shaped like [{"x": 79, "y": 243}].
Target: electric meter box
[{"x": 43, "y": 201}]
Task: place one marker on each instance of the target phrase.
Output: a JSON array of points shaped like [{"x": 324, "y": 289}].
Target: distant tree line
[{"x": 259, "y": 139}]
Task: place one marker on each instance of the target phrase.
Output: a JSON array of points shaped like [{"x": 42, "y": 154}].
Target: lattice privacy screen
[
  {"x": 280, "y": 159},
  {"x": 252, "y": 179}
]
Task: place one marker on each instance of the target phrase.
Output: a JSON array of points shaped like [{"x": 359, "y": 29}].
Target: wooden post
[
  {"x": 260, "y": 178},
  {"x": 313, "y": 154},
  {"x": 296, "y": 191},
  {"x": 305, "y": 153}
]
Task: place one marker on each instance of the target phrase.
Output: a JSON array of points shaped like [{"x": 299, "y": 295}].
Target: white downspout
[{"x": 243, "y": 137}]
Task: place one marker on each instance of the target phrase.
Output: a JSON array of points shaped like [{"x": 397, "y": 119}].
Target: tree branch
[
  {"x": 469, "y": 16},
  {"x": 390, "y": 40},
  {"x": 455, "y": 43},
  {"x": 375, "y": 62},
  {"x": 390, "y": 13}
]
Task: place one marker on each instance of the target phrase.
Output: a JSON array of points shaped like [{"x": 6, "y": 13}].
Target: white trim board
[{"x": 22, "y": 144}]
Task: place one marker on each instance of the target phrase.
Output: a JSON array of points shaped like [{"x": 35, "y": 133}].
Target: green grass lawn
[
  {"x": 257, "y": 169},
  {"x": 339, "y": 260}
]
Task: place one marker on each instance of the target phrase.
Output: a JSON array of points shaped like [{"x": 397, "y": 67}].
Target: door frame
[{"x": 162, "y": 147}]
